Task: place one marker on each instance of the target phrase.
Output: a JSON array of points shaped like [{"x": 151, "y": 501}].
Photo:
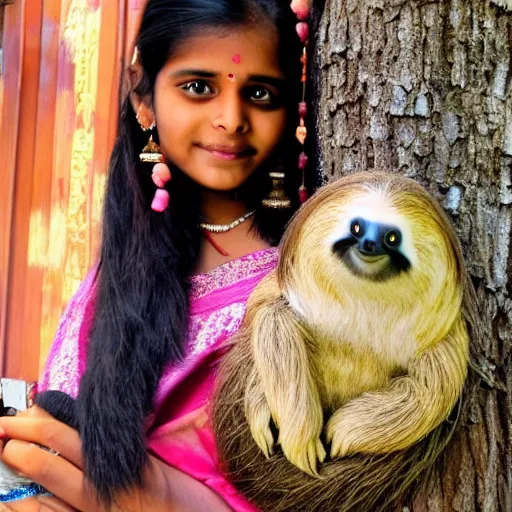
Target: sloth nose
[
  {"x": 368, "y": 245},
  {"x": 372, "y": 246}
]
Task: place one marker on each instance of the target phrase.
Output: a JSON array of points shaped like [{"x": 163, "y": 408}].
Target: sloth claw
[
  {"x": 259, "y": 424},
  {"x": 264, "y": 439},
  {"x": 338, "y": 434},
  {"x": 305, "y": 456}
]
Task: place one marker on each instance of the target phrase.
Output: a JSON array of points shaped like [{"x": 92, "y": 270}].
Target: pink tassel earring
[
  {"x": 160, "y": 176},
  {"x": 301, "y": 10}
]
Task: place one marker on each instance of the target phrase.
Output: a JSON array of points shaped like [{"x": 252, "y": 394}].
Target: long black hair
[{"x": 147, "y": 257}]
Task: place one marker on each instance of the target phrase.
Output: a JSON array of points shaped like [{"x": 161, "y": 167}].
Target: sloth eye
[
  {"x": 356, "y": 228},
  {"x": 393, "y": 238}
]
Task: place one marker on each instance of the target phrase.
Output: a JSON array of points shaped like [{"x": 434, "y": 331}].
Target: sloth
[{"x": 344, "y": 385}]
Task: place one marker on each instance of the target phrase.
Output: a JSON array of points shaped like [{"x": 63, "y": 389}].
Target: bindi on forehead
[{"x": 236, "y": 59}]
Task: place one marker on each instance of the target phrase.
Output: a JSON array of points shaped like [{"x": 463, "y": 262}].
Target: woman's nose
[{"x": 231, "y": 116}]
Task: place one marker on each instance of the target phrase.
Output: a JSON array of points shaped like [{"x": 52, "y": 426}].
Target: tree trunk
[{"x": 424, "y": 89}]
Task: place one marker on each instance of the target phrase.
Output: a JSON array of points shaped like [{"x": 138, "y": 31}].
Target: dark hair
[{"x": 147, "y": 257}]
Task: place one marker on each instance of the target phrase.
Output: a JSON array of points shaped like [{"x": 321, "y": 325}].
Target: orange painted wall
[{"x": 59, "y": 95}]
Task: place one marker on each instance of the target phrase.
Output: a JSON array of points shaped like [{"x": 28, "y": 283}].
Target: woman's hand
[
  {"x": 25, "y": 457},
  {"x": 164, "y": 488}
]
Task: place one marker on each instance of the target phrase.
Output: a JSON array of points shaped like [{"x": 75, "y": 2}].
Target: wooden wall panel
[
  {"x": 40, "y": 207},
  {"x": 19, "y": 347},
  {"x": 68, "y": 255},
  {"x": 12, "y": 57},
  {"x": 65, "y": 59}
]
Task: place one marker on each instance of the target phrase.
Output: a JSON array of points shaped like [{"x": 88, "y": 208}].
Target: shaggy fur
[{"x": 367, "y": 371}]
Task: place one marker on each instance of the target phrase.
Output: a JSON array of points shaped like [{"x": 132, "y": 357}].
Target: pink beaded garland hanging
[{"x": 301, "y": 10}]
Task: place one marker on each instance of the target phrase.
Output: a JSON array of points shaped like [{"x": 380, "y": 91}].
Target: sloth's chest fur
[
  {"x": 360, "y": 349},
  {"x": 366, "y": 330},
  {"x": 344, "y": 373}
]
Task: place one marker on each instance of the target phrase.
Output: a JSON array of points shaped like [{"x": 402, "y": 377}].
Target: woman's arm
[{"x": 164, "y": 487}]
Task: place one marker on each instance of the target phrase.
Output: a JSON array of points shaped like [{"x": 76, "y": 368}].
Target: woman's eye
[
  {"x": 197, "y": 88},
  {"x": 260, "y": 94}
]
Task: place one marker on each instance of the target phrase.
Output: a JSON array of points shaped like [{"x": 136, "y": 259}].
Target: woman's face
[{"x": 219, "y": 105}]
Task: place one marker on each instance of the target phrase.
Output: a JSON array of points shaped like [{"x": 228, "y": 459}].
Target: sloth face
[
  {"x": 371, "y": 239},
  {"x": 372, "y": 250}
]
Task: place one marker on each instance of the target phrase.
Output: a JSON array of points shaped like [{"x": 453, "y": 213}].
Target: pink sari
[{"x": 178, "y": 430}]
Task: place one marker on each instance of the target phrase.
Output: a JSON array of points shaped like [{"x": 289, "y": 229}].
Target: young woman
[{"x": 215, "y": 89}]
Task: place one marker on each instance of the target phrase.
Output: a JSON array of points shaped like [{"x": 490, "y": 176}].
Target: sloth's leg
[
  {"x": 257, "y": 413},
  {"x": 412, "y": 406},
  {"x": 282, "y": 358}
]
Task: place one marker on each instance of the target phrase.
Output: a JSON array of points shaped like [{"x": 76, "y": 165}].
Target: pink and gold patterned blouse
[{"x": 178, "y": 430}]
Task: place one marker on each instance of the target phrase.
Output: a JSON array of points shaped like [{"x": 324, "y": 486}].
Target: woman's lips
[
  {"x": 224, "y": 155},
  {"x": 228, "y": 152}
]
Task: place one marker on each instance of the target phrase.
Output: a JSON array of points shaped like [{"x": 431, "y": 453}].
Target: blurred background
[{"x": 60, "y": 69}]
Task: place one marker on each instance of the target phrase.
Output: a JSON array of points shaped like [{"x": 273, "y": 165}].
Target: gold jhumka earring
[{"x": 277, "y": 197}]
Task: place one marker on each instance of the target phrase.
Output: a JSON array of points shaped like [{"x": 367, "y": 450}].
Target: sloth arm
[
  {"x": 281, "y": 349},
  {"x": 413, "y": 405}
]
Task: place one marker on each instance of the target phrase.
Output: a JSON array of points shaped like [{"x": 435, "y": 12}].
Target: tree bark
[{"x": 424, "y": 89}]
